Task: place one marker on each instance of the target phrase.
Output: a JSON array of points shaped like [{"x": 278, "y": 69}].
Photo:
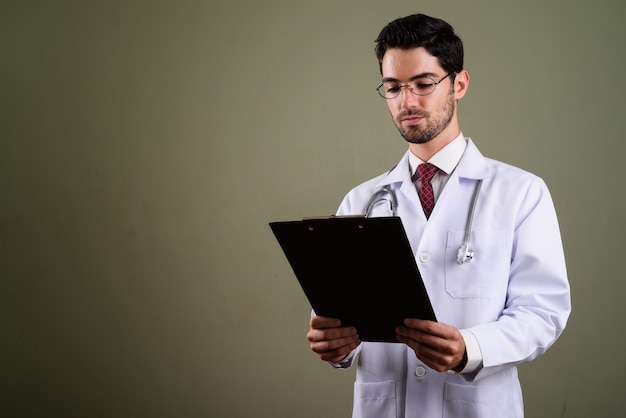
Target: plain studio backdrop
[{"x": 145, "y": 146}]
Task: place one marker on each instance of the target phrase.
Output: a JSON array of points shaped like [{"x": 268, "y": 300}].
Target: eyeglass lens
[{"x": 420, "y": 86}]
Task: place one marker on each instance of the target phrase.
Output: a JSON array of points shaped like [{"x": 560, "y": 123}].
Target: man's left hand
[{"x": 439, "y": 346}]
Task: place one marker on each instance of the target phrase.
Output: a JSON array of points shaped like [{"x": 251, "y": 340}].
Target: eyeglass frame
[{"x": 408, "y": 86}]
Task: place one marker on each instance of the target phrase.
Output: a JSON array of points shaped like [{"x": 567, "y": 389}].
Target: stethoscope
[{"x": 465, "y": 253}]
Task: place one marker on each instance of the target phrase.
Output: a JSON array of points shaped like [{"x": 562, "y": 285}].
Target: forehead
[{"x": 403, "y": 64}]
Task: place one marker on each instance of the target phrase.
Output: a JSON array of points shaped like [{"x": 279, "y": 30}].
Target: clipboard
[{"x": 359, "y": 270}]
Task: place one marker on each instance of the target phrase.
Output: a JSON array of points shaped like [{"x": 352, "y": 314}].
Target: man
[{"x": 504, "y": 307}]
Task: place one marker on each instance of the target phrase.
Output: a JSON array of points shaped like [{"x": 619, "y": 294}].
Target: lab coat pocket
[
  {"x": 486, "y": 275},
  {"x": 470, "y": 401},
  {"x": 375, "y": 399}
]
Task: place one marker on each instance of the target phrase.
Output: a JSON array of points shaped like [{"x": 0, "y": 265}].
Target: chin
[{"x": 417, "y": 139}]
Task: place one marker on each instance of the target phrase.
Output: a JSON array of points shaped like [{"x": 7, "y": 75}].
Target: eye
[
  {"x": 392, "y": 88},
  {"x": 423, "y": 84}
]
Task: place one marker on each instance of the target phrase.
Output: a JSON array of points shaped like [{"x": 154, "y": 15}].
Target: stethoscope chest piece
[{"x": 465, "y": 254}]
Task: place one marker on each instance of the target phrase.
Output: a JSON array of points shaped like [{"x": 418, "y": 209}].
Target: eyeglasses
[{"x": 422, "y": 86}]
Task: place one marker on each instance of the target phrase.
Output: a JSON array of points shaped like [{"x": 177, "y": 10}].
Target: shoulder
[
  {"x": 509, "y": 174},
  {"x": 475, "y": 165},
  {"x": 516, "y": 186},
  {"x": 356, "y": 200},
  {"x": 509, "y": 183}
]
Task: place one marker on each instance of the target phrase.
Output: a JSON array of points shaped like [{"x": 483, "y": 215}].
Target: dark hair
[{"x": 435, "y": 35}]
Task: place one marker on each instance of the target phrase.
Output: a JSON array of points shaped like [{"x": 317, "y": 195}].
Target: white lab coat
[{"x": 513, "y": 296}]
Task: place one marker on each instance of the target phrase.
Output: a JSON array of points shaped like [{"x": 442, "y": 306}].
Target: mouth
[
  {"x": 411, "y": 120},
  {"x": 411, "y": 117}
]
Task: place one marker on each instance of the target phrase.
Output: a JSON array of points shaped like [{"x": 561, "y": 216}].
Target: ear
[{"x": 461, "y": 84}]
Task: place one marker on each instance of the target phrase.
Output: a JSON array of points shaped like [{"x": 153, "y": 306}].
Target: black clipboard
[{"x": 359, "y": 270}]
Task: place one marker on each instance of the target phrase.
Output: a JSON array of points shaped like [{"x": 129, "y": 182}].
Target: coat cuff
[
  {"x": 474, "y": 355},
  {"x": 346, "y": 363}
]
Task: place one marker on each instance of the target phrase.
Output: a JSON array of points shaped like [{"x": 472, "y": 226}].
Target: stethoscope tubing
[{"x": 465, "y": 253}]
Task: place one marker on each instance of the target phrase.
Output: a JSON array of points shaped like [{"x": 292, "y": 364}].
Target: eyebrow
[{"x": 415, "y": 77}]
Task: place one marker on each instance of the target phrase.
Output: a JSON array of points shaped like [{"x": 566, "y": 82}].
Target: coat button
[
  {"x": 424, "y": 257},
  {"x": 420, "y": 372}
]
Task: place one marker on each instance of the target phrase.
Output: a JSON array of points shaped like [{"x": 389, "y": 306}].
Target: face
[{"x": 421, "y": 119}]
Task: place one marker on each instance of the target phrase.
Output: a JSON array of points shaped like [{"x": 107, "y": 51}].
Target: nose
[{"x": 407, "y": 98}]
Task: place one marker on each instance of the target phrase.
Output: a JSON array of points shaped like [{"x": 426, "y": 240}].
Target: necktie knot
[{"x": 426, "y": 173}]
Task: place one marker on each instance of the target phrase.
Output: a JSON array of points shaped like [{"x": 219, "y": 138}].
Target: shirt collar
[{"x": 446, "y": 159}]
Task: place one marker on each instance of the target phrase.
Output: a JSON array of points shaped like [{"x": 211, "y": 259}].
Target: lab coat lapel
[
  {"x": 399, "y": 178},
  {"x": 397, "y": 174},
  {"x": 472, "y": 166}
]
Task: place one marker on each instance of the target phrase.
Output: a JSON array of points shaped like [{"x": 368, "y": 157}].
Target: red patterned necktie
[{"x": 426, "y": 173}]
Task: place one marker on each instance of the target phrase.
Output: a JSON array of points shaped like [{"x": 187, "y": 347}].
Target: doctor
[{"x": 504, "y": 307}]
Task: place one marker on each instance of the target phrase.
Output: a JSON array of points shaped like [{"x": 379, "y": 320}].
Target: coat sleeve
[{"x": 538, "y": 297}]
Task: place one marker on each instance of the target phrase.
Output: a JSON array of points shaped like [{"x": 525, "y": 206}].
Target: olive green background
[{"x": 145, "y": 146}]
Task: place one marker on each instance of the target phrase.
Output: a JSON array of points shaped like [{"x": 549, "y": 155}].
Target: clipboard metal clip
[{"x": 317, "y": 218}]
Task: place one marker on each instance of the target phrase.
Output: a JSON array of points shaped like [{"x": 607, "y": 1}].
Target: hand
[
  {"x": 330, "y": 340},
  {"x": 441, "y": 347}
]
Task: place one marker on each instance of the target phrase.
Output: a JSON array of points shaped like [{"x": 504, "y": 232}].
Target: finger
[
  {"x": 338, "y": 355},
  {"x": 437, "y": 361},
  {"x": 440, "y": 336},
  {"x": 326, "y": 334},
  {"x": 407, "y": 332},
  {"x": 322, "y": 346},
  {"x": 335, "y": 350},
  {"x": 412, "y": 334},
  {"x": 429, "y": 356},
  {"x": 321, "y": 322},
  {"x": 413, "y": 344},
  {"x": 428, "y": 343},
  {"x": 437, "y": 353},
  {"x": 430, "y": 327}
]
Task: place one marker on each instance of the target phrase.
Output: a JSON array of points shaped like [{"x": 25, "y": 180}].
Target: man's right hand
[{"x": 330, "y": 340}]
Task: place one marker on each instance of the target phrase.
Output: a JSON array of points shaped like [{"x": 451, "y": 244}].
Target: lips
[
  {"x": 411, "y": 120},
  {"x": 411, "y": 117}
]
